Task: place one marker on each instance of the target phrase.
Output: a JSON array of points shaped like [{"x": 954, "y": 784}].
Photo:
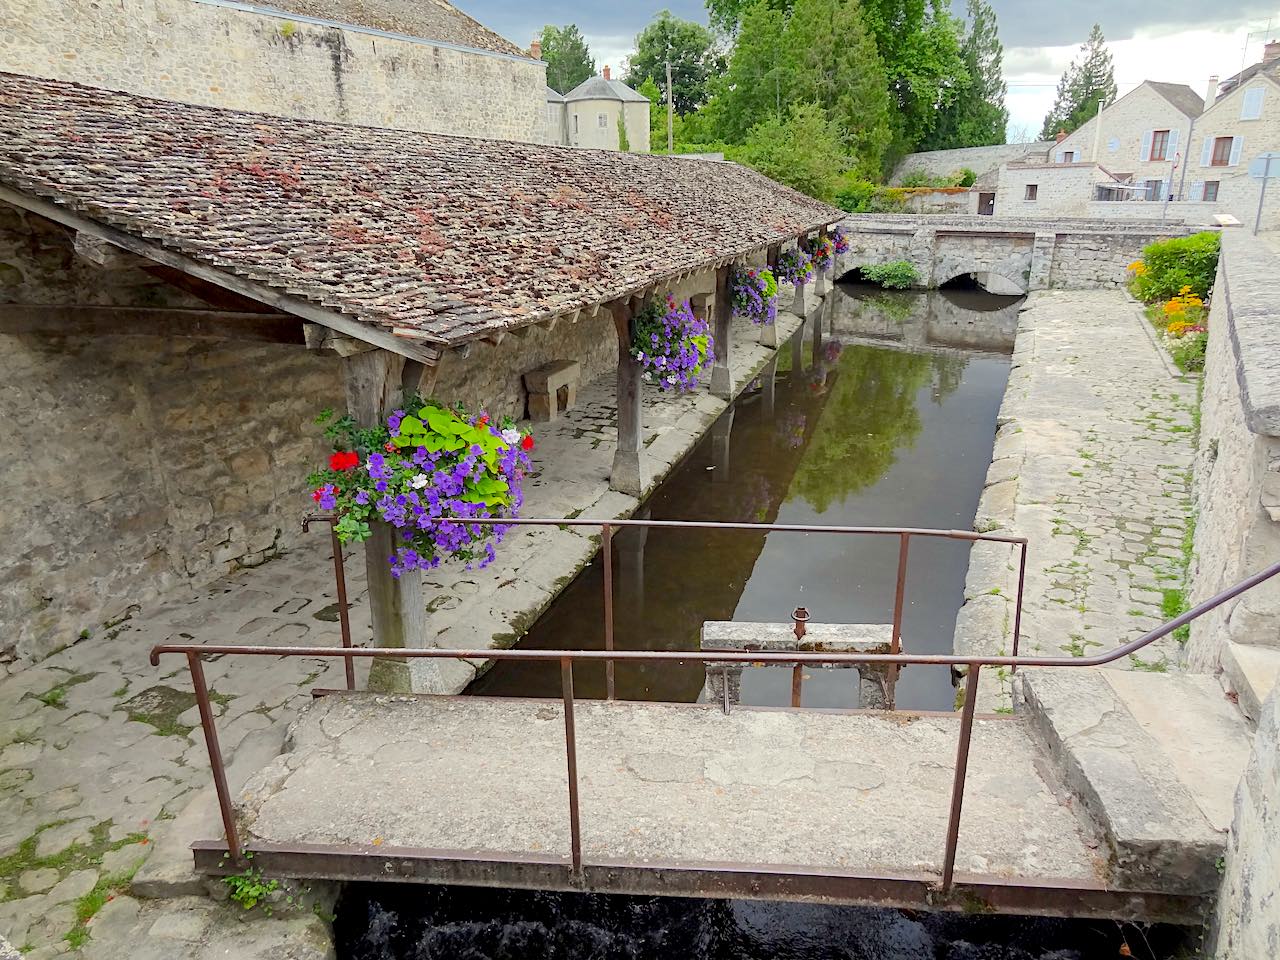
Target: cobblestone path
[{"x": 1092, "y": 462}]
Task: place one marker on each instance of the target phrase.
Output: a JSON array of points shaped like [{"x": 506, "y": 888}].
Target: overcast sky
[{"x": 1171, "y": 40}]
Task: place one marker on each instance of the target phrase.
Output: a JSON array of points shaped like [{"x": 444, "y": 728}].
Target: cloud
[{"x": 1027, "y": 23}]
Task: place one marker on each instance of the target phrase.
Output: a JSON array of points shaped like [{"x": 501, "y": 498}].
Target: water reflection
[{"x": 860, "y": 422}]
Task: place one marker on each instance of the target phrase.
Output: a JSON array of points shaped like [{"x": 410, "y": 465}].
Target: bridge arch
[{"x": 1001, "y": 278}]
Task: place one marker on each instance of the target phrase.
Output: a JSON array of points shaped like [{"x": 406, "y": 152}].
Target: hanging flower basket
[
  {"x": 793, "y": 267},
  {"x": 673, "y": 346},
  {"x": 822, "y": 253},
  {"x": 754, "y": 294},
  {"x": 840, "y": 240},
  {"x": 425, "y": 474}
]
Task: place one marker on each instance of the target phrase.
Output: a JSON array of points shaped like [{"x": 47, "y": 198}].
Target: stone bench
[{"x": 548, "y": 385}]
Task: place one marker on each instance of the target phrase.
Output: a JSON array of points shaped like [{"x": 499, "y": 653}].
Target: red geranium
[
  {"x": 344, "y": 460},
  {"x": 527, "y": 442}
]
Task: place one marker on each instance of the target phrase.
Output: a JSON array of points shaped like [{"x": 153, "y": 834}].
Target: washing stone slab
[{"x": 1155, "y": 759}]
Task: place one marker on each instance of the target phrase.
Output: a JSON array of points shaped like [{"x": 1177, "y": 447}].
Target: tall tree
[
  {"x": 657, "y": 114},
  {"x": 568, "y": 58},
  {"x": 726, "y": 15},
  {"x": 802, "y": 150},
  {"x": 978, "y": 116},
  {"x": 691, "y": 49},
  {"x": 1090, "y": 78}
]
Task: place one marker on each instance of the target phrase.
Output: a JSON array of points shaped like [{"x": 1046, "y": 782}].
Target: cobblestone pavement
[
  {"x": 98, "y": 749},
  {"x": 1092, "y": 462}
]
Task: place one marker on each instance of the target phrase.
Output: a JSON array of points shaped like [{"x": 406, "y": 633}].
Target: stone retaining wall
[{"x": 223, "y": 56}]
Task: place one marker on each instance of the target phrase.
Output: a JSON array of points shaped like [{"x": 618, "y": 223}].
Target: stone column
[
  {"x": 629, "y": 474},
  {"x": 722, "y": 310},
  {"x": 769, "y": 331},
  {"x": 1042, "y": 253},
  {"x": 376, "y": 382}
]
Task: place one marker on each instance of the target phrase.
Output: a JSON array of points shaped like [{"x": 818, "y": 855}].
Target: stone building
[
  {"x": 388, "y": 63},
  {"x": 184, "y": 289},
  {"x": 603, "y": 113}
]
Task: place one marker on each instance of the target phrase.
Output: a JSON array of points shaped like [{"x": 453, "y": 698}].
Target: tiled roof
[
  {"x": 598, "y": 88},
  {"x": 1271, "y": 67},
  {"x": 426, "y": 19},
  {"x": 1188, "y": 102},
  {"x": 450, "y": 237}
]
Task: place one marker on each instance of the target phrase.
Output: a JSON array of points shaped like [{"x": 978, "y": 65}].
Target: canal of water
[{"x": 882, "y": 414}]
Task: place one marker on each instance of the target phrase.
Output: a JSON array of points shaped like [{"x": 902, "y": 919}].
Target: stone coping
[
  {"x": 1249, "y": 281},
  {"x": 871, "y": 221}
]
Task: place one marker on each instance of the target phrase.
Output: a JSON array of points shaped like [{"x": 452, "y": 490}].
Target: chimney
[
  {"x": 1062, "y": 135},
  {"x": 605, "y": 72},
  {"x": 535, "y": 49},
  {"x": 1211, "y": 94},
  {"x": 1271, "y": 51}
]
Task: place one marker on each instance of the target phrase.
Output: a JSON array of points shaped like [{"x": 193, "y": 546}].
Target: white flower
[
  {"x": 419, "y": 481},
  {"x": 511, "y": 436}
]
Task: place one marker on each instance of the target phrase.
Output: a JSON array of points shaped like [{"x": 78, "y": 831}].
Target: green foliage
[
  {"x": 977, "y": 116},
  {"x": 802, "y": 151},
  {"x": 857, "y": 195},
  {"x": 963, "y": 177},
  {"x": 694, "y": 57},
  {"x": 726, "y": 15},
  {"x": 1089, "y": 79},
  {"x": 567, "y": 56},
  {"x": 895, "y": 275},
  {"x": 249, "y": 888},
  {"x": 967, "y": 177},
  {"x": 1188, "y": 353},
  {"x": 657, "y": 114},
  {"x": 624, "y": 142},
  {"x": 1170, "y": 265}
]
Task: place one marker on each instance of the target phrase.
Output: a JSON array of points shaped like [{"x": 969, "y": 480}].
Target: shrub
[
  {"x": 966, "y": 177},
  {"x": 1170, "y": 265},
  {"x": 803, "y": 151},
  {"x": 895, "y": 275},
  {"x": 855, "y": 195}
]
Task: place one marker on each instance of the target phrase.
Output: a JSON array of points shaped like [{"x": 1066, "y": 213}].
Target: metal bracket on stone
[{"x": 724, "y": 680}]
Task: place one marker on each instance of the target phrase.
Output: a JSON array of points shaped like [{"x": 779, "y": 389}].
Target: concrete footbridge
[
  {"x": 1005, "y": 255},
  {"x": 1105, "y": 794}
]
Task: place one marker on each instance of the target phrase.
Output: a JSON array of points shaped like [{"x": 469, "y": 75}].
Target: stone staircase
[
  {"x": 1250, "y": 672},
  {"x": 1153, "y": 759}
]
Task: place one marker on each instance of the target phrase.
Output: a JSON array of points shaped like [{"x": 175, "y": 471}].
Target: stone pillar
[
  {"x": 629, "y": 474},
  {"x": 799, "y": 304},
  {"x": 376, "y": 382},
  {"x": 721, "y": 432},
  {"x": 722, "y": 309},
  {"x": 1042, "y": 252},
  {"x": 769, "y": 331}
]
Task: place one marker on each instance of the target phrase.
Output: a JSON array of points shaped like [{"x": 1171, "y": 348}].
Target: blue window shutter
[
  {"x": 1146, "y": 147},
  {"x": 1237, "y": 148},
  {"x": 1251, "y": 106},
  {"x": 1059, "y": 157},
  {"x": 1197, "y": 190},
  {"x": 1206, "y": 151},
  {"x": 1173, "y": 145}
]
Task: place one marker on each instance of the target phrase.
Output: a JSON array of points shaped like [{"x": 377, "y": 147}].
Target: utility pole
[{"x": 671, "y": 113}]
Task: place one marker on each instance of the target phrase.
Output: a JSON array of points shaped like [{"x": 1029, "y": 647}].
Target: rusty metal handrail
[{"x": 196, "y": 652}]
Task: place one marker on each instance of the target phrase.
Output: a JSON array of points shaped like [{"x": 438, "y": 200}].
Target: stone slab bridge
[
  {"x": 1006, "y": 255},
  {"x": 1106, "y": 794}
]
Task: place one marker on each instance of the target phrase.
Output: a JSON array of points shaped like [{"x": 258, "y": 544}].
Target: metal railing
[{"x": 196, "y": 653}]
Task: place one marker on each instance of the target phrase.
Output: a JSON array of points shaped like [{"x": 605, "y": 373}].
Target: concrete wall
[
  {"x": 1237, "y": 191},
  {"x": 221, "y": 56},
  {"x": 1237, "y": 477},
  {"x": 940, "y": 163}
]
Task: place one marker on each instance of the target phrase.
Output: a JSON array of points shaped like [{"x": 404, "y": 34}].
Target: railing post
[
  {"x": 1017, "y": 612},
  {"x": 215, "y": 755},
  {"x": 962, "y": 766},
  {"x": 899, "y": 601},
  {"x": 344, "y": 615},
  {"x": 606, "y": 547},
  {"x": 571, "y": 755}
]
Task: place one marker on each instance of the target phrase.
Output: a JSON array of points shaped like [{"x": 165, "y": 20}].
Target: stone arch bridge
[{"x": 1005, "y": 256}]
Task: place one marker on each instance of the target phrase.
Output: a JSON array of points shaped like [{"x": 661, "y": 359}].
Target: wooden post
[
  {"x": 629, "y": 474},
  {"x": 769, "y": 332},
  {"x": 376, "y": 383},
  {"x": 722, "y": 308},
  {"x": 798, "y": 306}
]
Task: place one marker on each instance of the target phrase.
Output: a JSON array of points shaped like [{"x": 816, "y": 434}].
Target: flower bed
[
  {"x": 822, "y": 254},
  {"x": 793, "y": 267},
  {"x": 1183, "y": 322},
  {"x": 754, "y": 294},
  {"x": 673, "y": 346},
  {"x": 425, "y": 474}
]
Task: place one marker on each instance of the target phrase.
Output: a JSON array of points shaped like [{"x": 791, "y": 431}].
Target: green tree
[
  {"x": 657, "y": 114},
  {"x": 752, "y": 89},
  {"x": 692, "y": 51},
  {"x": 567, "y": 56},
  {"x": 1090, "y": 78},
  {"x": 804, "y": 151},
  {"x": 624, "y": 142},
  {"x": 978, "y": 116},
  {"x": 727, "y": 15}
]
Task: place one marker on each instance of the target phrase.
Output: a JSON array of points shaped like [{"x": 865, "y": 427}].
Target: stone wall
[
  {"x": 940, "y": 163},
  {"x": 226, "y": 57},
  {"x": 1061, "y": 190},
  {"x": 1238, "y": 469},
  {"x": 1247, "y": 924}
]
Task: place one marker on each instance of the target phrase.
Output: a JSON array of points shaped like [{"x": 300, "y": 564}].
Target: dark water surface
[
  {"x": 887, "y": 420},
  {"x": 384, "y": 922}
]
